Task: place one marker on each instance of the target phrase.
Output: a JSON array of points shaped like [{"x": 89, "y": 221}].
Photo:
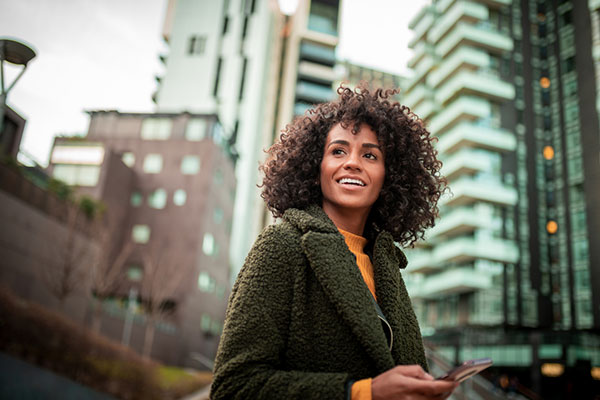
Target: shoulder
[{"x": 276, "y": 248}]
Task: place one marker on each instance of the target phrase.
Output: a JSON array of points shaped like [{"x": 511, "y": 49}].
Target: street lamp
[{"x": 16, "y": 53}]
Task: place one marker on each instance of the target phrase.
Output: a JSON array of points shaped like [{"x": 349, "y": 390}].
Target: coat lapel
[
  {"x": 335, "y": 268},
  {"x": 395, "y": 303}
]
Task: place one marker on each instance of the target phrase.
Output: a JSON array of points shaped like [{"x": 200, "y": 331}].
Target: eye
[
  {"x": 371, "y": 156},
  {"x": 337, "y": 151}
]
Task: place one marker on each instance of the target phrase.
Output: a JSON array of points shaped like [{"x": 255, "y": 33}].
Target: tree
[
  {"x": 166, "y": 267},
  {"x": 69, "y": 254},
  {"x": 106, "y": 271}
]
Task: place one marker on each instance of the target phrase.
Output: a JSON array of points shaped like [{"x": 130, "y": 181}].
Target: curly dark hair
[{"x": 407, "y": 204}]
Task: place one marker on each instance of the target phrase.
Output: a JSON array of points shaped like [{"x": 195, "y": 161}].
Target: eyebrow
[{"x": 346, "y": 143}]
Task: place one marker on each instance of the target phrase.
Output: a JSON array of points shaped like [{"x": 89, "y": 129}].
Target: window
[
  {"x": 206, "y": 283},
  {"x": 323, "y": 17},
  {"x": 545, "y": 82},
  {"x": 215, "y": 327},
  {"x": 243, "y": 80},
  {"x": 128, "y": 158},
  {"x": 569, "y": 64},
  {"x": 245, "y": 27},
  {"x": 136, "y": 199},
  {"x": 196, "y": 45},
  {"x": 225, "y": 25},
  {"x": 135, "y": 273},
  {"x": 548, "y": 152},
  {"x": 190, "y": 165},
  {"x": 158, "y": 199},
  {"x": 77, "y": 175},
  {"x": 195, "y": 129},
  {"x": 156, "y": 128},
  {"x": 140, "y": 233},
  {"x": 218, "y": 215},
  {"x": 179, "y": 197},
  {"x": 153, "y": 163},
  {"x": 218, "y": 178},
  {"x": 208, "y": 244},
  {"x": 205, "y": 323},
  {"x": 218, "y": 77}
]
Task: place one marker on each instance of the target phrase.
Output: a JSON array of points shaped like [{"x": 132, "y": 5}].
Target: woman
[{"x": 319, "y": 310}]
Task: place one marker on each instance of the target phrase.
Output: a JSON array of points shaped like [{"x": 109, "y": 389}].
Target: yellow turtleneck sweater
[{"x": 361, "y": 390}]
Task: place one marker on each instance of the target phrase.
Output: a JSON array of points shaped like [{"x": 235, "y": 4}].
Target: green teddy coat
[{"x": 301, "y": 323}]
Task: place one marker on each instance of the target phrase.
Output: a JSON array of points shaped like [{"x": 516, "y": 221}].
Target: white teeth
[{"x": 352, "y": 181}]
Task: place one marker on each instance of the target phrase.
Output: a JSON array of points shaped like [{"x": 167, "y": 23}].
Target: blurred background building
[{"x": 508, "y": 272}]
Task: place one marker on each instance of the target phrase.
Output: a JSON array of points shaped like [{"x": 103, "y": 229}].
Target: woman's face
[{"x": 352, "y": 169}]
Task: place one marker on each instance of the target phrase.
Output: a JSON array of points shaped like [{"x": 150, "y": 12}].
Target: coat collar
[{"x": 335, "y": 268}]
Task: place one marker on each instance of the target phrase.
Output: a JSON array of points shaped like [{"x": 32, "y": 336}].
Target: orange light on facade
[
  {"x": 548, "y": 152},
  {"x": 595, "y": 373},
  {"x": 551, "y": 227},
  {"x": 545, "y": 82},
  {"x": 552, "y": 369}
]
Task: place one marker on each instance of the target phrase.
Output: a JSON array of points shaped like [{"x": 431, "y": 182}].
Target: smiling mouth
[{"x": 349, "y": 181}]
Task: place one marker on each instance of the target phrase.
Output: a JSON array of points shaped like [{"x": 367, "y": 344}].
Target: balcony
[
  {"x": 465, "y": 108},
  {"x": 467, "y": 249},
  {"x": 453, "y": 281},
  {"x": 317, "y": 53},
  {"x": 418, "y": 16},
  {"x": 426, "y": 64},
  {"x": 497, "y": 3},
  {"x": 462, "y": 220},
  {"x": 420, "y": 261},
  {"x": 466, "y": 162},
  {"x": 313, "y": 93},
  {"x": 417, "y": 95},
  {"x": 476, "y": 136},
  {"x": 322, "y": 24},
  {"x": 460, "y": 12},
  {"x": 480, "y": 35},
  {"x": 465, "y": 58},
  {"x": 318, "y": 72},
  {"x": 442, "y": 5},
  {"x": 468, "y": 190},
  {"x": 420, "y": 50},
  {"x": 481, "y": 83},
  {"x": 421, "y": 29},
  {"x": 425, "y": 109}
]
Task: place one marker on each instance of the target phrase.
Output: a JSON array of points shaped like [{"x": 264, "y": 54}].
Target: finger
[
  {"x": 433, "y": 388},
  {"x": 415, "y": 371}
]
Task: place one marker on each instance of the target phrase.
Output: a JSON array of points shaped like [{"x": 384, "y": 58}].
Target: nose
[{"x": 353, "y": 162}]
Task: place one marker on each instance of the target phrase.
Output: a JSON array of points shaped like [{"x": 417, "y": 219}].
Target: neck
[{"x": 351, "y": 220}]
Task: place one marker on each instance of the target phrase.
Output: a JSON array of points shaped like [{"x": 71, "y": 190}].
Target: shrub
[{"x": 50, "y": 340}]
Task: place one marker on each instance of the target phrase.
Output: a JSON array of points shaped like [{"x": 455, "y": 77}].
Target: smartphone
[{"x": 466, "y": 370}]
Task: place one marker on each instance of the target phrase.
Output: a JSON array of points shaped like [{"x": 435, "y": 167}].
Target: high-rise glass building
[{"x": 511, "y": 90}]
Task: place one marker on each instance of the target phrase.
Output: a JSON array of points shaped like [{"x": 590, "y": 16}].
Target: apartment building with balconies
[{"x": 509, "y": 89}]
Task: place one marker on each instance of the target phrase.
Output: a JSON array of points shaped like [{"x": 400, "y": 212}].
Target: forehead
[{"x": 364, "y": 134}]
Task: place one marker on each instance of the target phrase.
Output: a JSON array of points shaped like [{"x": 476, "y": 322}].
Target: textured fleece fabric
[{"x": 301, "y": 322}]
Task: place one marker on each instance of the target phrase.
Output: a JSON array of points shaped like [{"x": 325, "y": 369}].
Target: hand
[{"x": 409, "y": 382}]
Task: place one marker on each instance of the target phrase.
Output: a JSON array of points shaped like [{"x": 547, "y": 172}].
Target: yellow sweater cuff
[{"x": 361, "y": 390}]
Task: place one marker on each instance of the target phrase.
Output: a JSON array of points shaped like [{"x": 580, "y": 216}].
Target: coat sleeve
[{"x": 250, "y": 362}]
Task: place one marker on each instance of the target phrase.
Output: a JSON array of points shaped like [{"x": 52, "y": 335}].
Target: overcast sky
[{"x": 103, "y": 54}]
